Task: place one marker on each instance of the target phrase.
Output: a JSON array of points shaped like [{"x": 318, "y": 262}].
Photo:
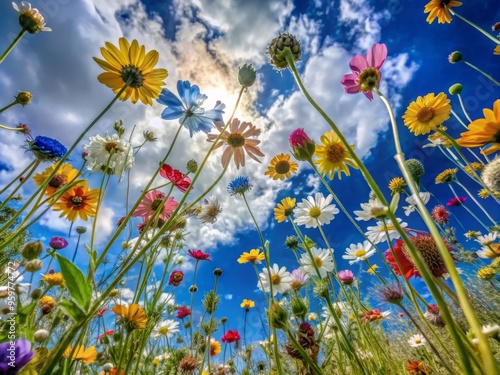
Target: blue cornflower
[
  {"x": 240, "y": 185},
  {"x": 46, "y": 149},
  {"x": 189, "y": 111}
]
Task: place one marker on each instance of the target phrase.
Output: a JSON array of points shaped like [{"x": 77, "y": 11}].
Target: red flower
[
  {"x": 176, "y": 277},
  {"x": 179, "y": 179},
  {"x": 372, "y": 316},
  {"x": 407, "y": 268},
  {"x": 440, "y": 214},
  {"x": 456, "y": 201},
  {"x": 231, "y": 336},
  {"x": 107, "y": 333},
  {"x": 183, "y": 312},
  {"x": 199, "y": 255},
  {"x": 102, "y": 311}
]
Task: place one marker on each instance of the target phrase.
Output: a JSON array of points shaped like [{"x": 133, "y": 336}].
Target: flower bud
[
  {"x": 192, "y": 166},
  {"x": 193, "y": 289},
  {"x": 24, "y": 98},
  {"x": 321, "y": 289},
  {"x": 149, "y": 136},
  {"x": 33, "y": 265},
  {"x": 455, "y": 57},
  {"x": 455, "y": 89},
  {"x": 119, "y": 128},
  {"x": 291, "y": 242},
  {"x": 247, "y": 75},
  {"x": 58, "y": 243},
  {"x": 41, "y": 335},
  {"x": 81, "y": 230},
  {"x": 46, "y": 309},
  {"x": 107, "y": 367},
  {"x": 416, "y": 169},
  {"x": 278, "y": 316},
  {"x": 278, "y": 47},
  {"x": 114, "y": 293},
  {"x": 36, "y": 293},
  {"x": 32, "y": 250},
  {"x": 299, "y": 307},
  {"x": 223, "y": 320},
  {"x": 217, "y": 272},
  {"x": 302, "y": 146}
]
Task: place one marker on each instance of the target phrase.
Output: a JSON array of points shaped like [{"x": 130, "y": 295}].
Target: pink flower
[
  {"x": 298, "y": 138},
  {"x": 440, "y": 214},
  {"x": 456, "y": 201},
  {"x": 346, "y": 276},
  {"x": 179, "y": 179},
  {"x": 302, "y": 146},
  {"x": 58, "y": 243},
  {"x": 199, "y": 255},
  {"x": 183, "y": 312},
  {"x": 366, "y": 71},
  {"x": 151, "y": 202},
  {"x": 176, "y": 278}
]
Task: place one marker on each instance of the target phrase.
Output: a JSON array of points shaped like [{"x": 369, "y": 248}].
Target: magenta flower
[
  {"x": 199, "y": 255},
  {"x": 346, "y": 276},
  {"x": 176, "y": 277},
  {"x": 456, "y": 201},
  {"x": 151, "y": 202},
  {"x": 298, "y": 138},
  {"x": 302, "y": 146},
  {"x": 366, "y": 73},
  {"x": 183, "y": 312},
  {"x": 58, "y": 243},
  {"x": 179, "y": 179}
]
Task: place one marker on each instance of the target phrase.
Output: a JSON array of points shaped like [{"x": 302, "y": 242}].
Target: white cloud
[{"x": 228, "y": 297}]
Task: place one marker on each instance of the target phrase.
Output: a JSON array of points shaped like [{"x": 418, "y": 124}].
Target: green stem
[
  {"x": 13, "y": 44},
  {"x": 482, "y": 72},
  {"x": 475, "y": 201},
  {"x": 7, "y": 107},
  {"x": 488, "y": 35},
  {"x": 463, "y": 110}
]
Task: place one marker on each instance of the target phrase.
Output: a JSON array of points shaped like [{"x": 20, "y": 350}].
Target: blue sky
[{"x": 205, "y": 42}]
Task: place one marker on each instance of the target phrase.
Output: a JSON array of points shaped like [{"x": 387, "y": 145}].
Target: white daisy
[
  {"x": 417, "y": 340},
  {"x": 312, "y": 316},
  {"x": 279, "y": 277},
  {"x": 359, "y": 251},
  {"x": 166, "y": 328},
  {"x": 374, "y": 209},
  {"x": 321, "y": 257},
  {"x": 38, "y": 22},
  {"x": 210, "y": 210},
  {"x": 377, "y": 234},
  {"x": 486, "y": 253},
  {"x": 413, "y": 202},
  {"x": 312, "y": 212},
  {"x": 109, "y": 154},
  {"x": 487, "y": 239}
]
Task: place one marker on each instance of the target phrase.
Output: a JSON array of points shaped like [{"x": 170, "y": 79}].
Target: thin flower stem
[
  {"x": 476, "y": 202},
  {"x": 13, "y": 44},
  {"x": 314, "y": 367},
  {"x": 35, "y": 163},
  {"x": 482, "y": 72},
  {"x": 463, "y": 110},
  {"x": 4, "y": 109},
  {"x": 192, "y": 304},
  {"x": 482, "y": 31},
  {"x": 467, "y": 208}
]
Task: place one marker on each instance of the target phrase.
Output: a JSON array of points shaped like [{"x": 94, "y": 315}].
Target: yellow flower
[
  {"x": 247, "y": 304},
  {"x": 135, "y": 316},
  {"x": 65, "y": 175},
  {"x": 285, "y": 209},
  {"x": 447, "y": 176},
  {"x": 47, "y": 300},
  {"x": 486, "y": 273},
  {"x": 81, "y": 354},
  {"x": 372, "y": 269},
  {"x": 496, "y": 51},
  {"x": 426, "y": 113},
  {"x": 483, "y": 193},
  {"x": 439, "y": 9},
  {"x": 131, "y": 64},
  {"x": 79, "y": 201},
  {"x": 254, "y": 256},
  {"x": 484, "y": 131},
  {"x": 53, "y": 279},
  {"x": 396, "y": 185},
  {"x": 156, "y": 361},
  {"x": 214, "y": 348},
  {"x": 281, "y": 167},
  {"x": 478, "y": 167},
  {"x": 333, "y": 156}
]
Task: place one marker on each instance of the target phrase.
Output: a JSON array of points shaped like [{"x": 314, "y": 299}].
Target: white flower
[
  {"x": 165, "y": 328},
  {"x": 109, "y": 154},
  {"x": 417, "y": 340},
  {"x": 377, "y": 234},
  {"x": 5, "y": 309},
  {"x": 374, "y": 209},
  {"x": 413, "y": 202},
  {"x": 312, "y": 212},
  {"x": 36, "y": 23},
  {"x": 279, "y": 277},
  {"x": 210, "y": 210},
  {"x": 312, "y": 316},
  {"x": 487, "y": 239},
  {"x": 359, "y": 251},
  {"x": 321, "y": 257},
  {"x": 486, "y": 253},
  {"x": 490, "y": 329}
]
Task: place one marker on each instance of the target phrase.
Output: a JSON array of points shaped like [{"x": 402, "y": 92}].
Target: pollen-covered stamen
[
  {"x": 318, "y": 261},
  {"x": 76, "y": 201},
  {"x": 426, "y": 114},
  {"x": 276, "y": 279},
  {"x": 112, "y": 147},
  {"x": 57, "y": 181},
  {"x": 314, "y": 212},
  {"x": 368, "y": 79},
  {"x": 163, "y": 330},
  {"x": 282, "y": 167},
  {"x": 236, "y": 140},
  {"x": 360, "y": 253},
  {"x": 134, "y": 74},
  {"x": 335, "y": 153}
]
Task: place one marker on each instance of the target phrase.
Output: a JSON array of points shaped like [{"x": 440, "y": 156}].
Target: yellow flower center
[
  {"x": 276, "y": 279},
  {"x": 318, "y": 261},
  {"x": 335, "y": 153},
  {"x": 296, "y": 285},
  {"x": 359, "y": 253},
  {"x": 282, "y": 167},
  {"x": 418, "y": 341},
  {"x": 368, "y": 79},
  {"x": 76, "y": 201},
  {"x": 426, "y": 114},
  {"x": 314, "y": 212},
  {"x": 496, "y": 136},
  {"x": 133, "y": 75},
  {"x": 57, "y": 181},
  {"x": 235, "y": 140},
  {"x": 113, "y": 147},
  {"x": 163, "y": 330}
]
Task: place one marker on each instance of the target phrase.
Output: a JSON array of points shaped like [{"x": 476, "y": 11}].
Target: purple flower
[
  {"x": 346, "y": 276},
  {"x": 456, "y": 201},
  {"x": 18, "y": 355},
  {"x": 58, "y": 243}
]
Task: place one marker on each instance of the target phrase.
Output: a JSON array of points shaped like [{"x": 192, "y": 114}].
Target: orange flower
[
  {"x": 79, "y": 201},
  {"x": 439, "y": 9},
  {"x": 135, "y": 316},
  {"x": 81, "y": 354}
]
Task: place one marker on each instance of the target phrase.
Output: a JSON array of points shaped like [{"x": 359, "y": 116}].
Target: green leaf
[
  {"x": 72, "y": 309},
  {"x": 78, "y": 285}
]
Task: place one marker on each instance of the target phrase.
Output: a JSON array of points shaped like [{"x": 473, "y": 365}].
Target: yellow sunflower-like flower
[
  {"x": 426, "y": 113},
  {"x": 130, "y": 63},
  {"x": 247, "y": 304},
  {"x": 372, "y": 269},
  {"x": 447, "y": 176},
  {"x": 254, "y": 256},
  {"x": 64, "y": 175},
  {"x": 484, "y": 131},
  {"x": 79, "y": 201},
  {"x": 396, "y": 185},
  {"x": 284, "y": 209},
  {"x": 333, "y": 156},
  {"x": 439, "y": 9},
  {"x": 135, "y": 316},
  {"x": 47, "y": 300},
  {"x": 478, "y": 167},
  {"x": 54, "y": 279},
  {"x": 88, "y": 355},
  {"x": 281, "y": 167},
  {"x": 214, "y": 348}
]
